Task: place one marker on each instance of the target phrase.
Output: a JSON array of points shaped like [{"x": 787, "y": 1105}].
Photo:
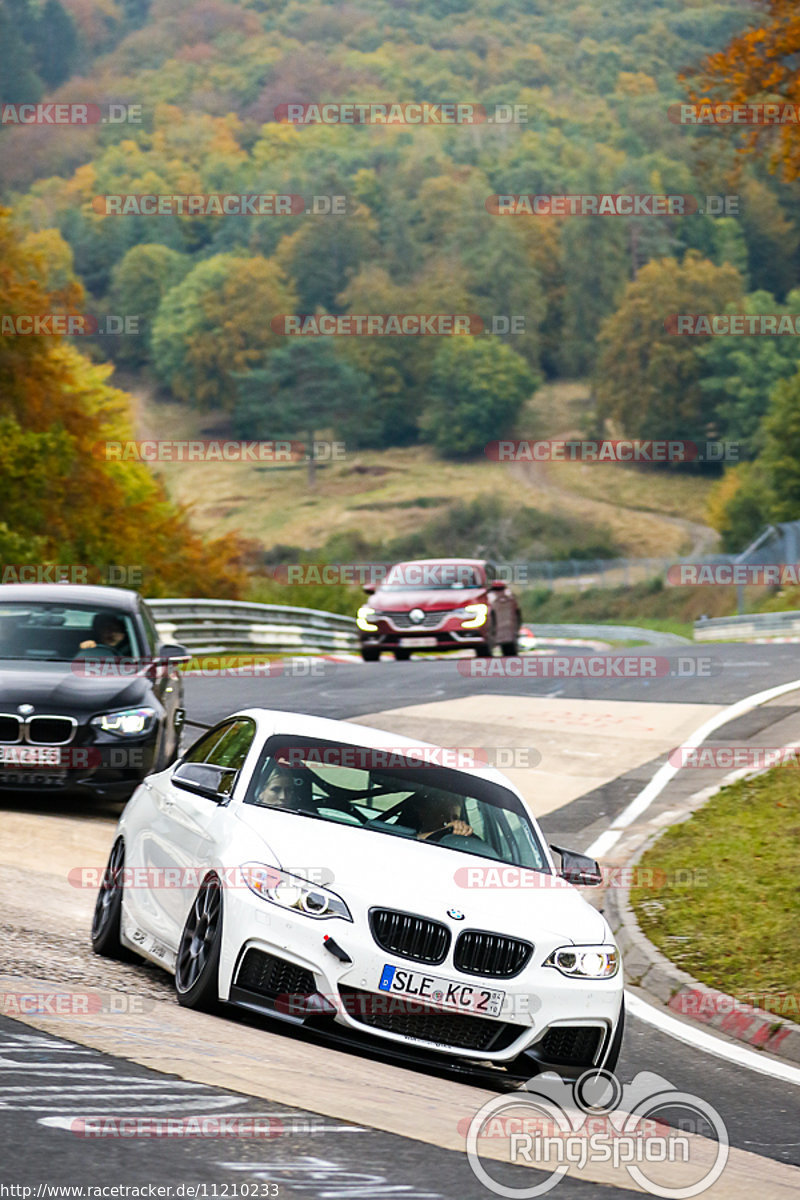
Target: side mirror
[
  {"x": 578, "y": 868},
  {"x": 497, "y": 585},
  {"x": 174, "y": 653},
  {"x": 369, "y": 588},
  {"x": 205, "y": 779}
]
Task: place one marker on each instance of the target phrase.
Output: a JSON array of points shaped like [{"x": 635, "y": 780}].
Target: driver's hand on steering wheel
[{"x": 458, "y": 827}]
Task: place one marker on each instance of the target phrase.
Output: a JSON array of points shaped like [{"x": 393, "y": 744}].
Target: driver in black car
[
  {"x": 435, "y": 813},
  {"x": 108, "y": 635}
]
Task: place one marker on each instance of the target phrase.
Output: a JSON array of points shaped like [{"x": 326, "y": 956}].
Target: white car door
[{"x": 189, "y": 815}]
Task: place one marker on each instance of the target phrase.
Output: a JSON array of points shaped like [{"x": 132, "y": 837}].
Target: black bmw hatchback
[{"x": 91, "y": 700}]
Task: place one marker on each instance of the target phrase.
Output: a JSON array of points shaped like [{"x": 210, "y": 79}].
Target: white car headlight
[
  {"x": 363, "y": 618},
  {"x": 585, "y": 962},
  {"x": 129, "y": 722},
  {"x": 472, "y": 615},
  {"x": 290, "y": 891}
]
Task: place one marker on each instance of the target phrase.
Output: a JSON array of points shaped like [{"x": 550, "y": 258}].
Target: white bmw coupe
[{"x": 341, "y": 877}]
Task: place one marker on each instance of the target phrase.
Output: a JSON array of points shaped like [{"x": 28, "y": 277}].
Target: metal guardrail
[
  {"x": 749, "y": 625},
  {"x": 614, "y": 633},
  {"x": 214, "y": 626}
]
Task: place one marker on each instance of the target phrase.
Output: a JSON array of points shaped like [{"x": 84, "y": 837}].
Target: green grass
[{"x": 729, "y": 908}]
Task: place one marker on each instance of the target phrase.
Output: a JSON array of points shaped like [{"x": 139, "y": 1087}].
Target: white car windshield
[{"x": 387, "y": 792}]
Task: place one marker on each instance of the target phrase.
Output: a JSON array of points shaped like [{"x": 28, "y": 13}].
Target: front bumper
[
  {"x": 100, "y": 769},
  {"x": 276, "y": 963}
]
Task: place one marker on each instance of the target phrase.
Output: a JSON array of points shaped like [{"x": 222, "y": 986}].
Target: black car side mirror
[
  {"x": 497, "y": 585},
  {"x": 174, "y": 652},
  {"x": 205, "y": 779},
  {"x": 369, "y": 588},
  {"x": 578, "y": 868}
]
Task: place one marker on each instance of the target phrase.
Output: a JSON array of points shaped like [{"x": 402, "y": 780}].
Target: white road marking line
[
  {"x": 698, "y": 1038},
  {"x": 665, "y": 773},
  {"x": 38, "y": 1068}
]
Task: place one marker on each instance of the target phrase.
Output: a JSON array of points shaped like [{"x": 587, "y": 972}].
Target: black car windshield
[
  {"x": 45, "y": 631},
  {"x": 421, "y": 576},
  {"x": 388, "y": 792}
]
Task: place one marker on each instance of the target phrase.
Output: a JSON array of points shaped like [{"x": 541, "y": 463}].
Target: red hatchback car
[{"x": 439, "y": 604}]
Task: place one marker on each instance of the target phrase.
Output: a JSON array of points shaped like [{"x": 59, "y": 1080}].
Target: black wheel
[
  {"x": 486, "y": 648},
  {"x": 402, "y": 655},
  {"x": 197, "y": 961},
  {"x": 613, "y": 1054},
  {"x": 370, "y": 653},
  {"x": 511, "y": 649},
  {"x": 108, "y": 908}
]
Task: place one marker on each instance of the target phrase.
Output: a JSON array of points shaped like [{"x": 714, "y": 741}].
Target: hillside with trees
[{"x": 207, "y": 85}]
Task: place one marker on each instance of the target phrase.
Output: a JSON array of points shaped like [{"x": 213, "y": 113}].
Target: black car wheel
[
  {"x": 486, "y": 648},
  {"x": 401, "y": 655},
  {"x": 511, "y": 649},
  {"x": 108, "y": 908},
  {"x": 370, "y": 653},
  {"x": 197, "y": 962}
]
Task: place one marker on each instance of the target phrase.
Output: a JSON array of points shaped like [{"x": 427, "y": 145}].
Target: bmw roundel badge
[{"x": 456, "y": 914}]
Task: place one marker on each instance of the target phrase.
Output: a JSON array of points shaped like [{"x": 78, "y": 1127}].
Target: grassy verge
[{"x": 728, "y": 907}]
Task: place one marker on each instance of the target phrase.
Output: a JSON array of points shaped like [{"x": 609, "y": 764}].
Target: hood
[
  {"x": 428, "y": 599},
  {"x": 371, "y": 869},
  {"x": 56, "y": 686}
]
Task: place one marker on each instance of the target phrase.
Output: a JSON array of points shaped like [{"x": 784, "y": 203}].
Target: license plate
[
  {"x": 463, "y": 997},
  {"x": 420, "y": 641},
  {"x": 31, "y": 756}
]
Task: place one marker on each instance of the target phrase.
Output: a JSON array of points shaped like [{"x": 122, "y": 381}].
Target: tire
[
  {"x": 486, "y": 648},
  {"x": 197, "y": 960},
  {"x": 370, "y": 653},
  {"x": 511, "y": 649},
  {"x": 107, "y": 916},
  {"x": 401, "y": 655},
  {"x": 616, "y": 1045}
]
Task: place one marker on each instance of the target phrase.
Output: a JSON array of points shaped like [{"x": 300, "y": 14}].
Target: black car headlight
[
  {"x": 127, "y": 722},
  {"x": 585, "y": 962},
  {"x": 293, "y": 892}
]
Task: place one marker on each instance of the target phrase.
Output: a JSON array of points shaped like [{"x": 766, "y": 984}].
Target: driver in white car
[
  {"x": 433, "y": 812},
  {"x": 282, "y": 788}
]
